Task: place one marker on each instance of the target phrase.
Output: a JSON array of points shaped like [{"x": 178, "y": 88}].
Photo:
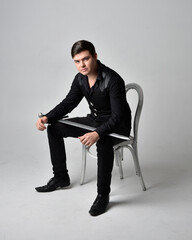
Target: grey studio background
[{"x": 145, "y": 41}]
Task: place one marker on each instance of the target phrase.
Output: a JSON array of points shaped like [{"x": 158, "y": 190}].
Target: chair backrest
[{"x": 139, "y": 106}]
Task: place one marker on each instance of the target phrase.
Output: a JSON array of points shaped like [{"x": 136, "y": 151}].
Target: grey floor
[{"x": 164, "y": 211}]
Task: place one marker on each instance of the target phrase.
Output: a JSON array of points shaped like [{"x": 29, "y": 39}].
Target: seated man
[{"x": 105, "y": 93}]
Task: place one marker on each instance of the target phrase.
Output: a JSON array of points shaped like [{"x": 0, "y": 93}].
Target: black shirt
[{"x": 106, "y": 99}]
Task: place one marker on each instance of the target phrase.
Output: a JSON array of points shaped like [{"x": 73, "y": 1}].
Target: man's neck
[{"x": 92, "y": 77}]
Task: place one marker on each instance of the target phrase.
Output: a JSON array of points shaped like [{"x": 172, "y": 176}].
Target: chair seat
[{"x": 124, "y": 143}]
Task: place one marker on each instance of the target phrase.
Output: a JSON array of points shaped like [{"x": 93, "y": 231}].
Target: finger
[
  {"x": 41, "y": 127},
  {"x": 90, "y": 145},
  {"x": 84, "y": 141},
  {"x": 82, "y": 138},
  {"x": 41, "y": 123}
]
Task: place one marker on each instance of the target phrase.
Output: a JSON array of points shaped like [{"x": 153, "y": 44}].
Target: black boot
[
  {"x": 54, "y": 183},
  {"x": 99, "y": 206}
]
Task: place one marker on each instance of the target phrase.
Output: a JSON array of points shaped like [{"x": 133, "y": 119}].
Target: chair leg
[
  {"x": 121, "y": 152},
  {"x": 134, "y": 152},
  {"x": 83, "y": 167},
  {"x": 118, "y": 157}
]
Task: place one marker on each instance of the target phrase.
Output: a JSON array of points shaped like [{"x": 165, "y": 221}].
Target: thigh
[
  {"x": 61, "y": 130},
  {"x": 78, "y": 126},
  {"x": 111, "y": 141},
  {"x": 86, "y": 121}
]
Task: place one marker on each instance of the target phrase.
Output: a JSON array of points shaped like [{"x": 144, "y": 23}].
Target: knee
[
  {"x": 55, "y": 130},
  {"x": 104, "y": 142}
]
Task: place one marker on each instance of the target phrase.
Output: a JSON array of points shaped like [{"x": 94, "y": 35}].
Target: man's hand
[
  {"x": 89, "y": 139},
  {"x": 40, "y": 124}
]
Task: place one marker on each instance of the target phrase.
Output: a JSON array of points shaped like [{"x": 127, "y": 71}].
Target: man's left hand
[{"x": 89, "y": 139}]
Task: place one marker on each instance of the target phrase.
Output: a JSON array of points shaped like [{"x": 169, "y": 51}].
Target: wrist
[{"x": 96, "y": 133}]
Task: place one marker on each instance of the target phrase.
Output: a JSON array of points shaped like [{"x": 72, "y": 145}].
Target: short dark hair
[{"x": 82, "y": 45}]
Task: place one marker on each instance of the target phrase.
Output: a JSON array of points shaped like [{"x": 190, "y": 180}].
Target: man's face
[{"x": 85, "y": 63}]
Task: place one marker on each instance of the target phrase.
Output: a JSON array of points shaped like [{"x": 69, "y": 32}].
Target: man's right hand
[{"x": 40, "y": 124}]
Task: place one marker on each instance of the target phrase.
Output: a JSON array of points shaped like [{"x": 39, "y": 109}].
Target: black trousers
[{"x": 105, "y": 155}]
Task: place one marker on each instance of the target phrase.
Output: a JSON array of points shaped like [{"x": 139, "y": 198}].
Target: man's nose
[{"x": 82, "y": 64}]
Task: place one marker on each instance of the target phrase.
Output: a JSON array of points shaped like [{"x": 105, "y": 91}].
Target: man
[{"x": 105, "y": 93}]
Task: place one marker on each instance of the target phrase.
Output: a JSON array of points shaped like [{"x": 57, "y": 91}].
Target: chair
[{"x": 130, "y": 143}]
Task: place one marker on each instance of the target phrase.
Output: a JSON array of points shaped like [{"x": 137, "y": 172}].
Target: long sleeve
[
  {"x": 72, "y": 99},
  {"x": 119, "y": 107}
]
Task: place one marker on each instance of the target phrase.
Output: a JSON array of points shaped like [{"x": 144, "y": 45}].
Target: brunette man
[{"x": 105, "y": 93}]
